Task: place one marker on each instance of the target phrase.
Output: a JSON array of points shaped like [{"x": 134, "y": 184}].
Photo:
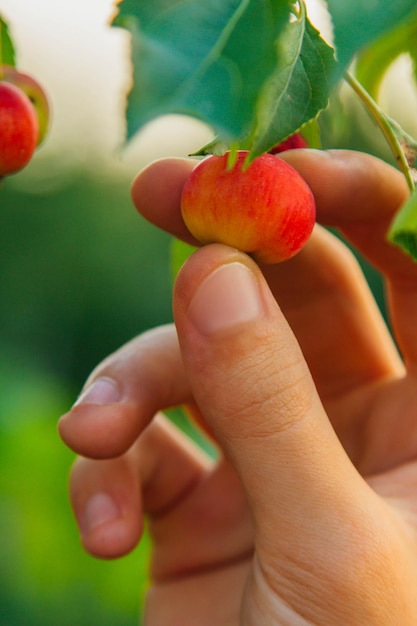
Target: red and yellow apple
[
  {"x": 266, "y": 209},
  {"x": 19, "y": 129},
  {"x": 34, "y": 92}
]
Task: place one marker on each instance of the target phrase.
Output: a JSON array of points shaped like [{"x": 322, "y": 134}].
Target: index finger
[
  {"x": 156, "y": 193},
  {"x": 360, "y": 195},
  {"x": 355, "y": 192}
]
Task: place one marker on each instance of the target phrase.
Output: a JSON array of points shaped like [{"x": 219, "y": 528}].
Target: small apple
[
  {"x": 19, "y": 129},
  {"x": 293, "y": 142},
  {"x": 34, "y": 92},
  {"x": 266, "y": 210}
]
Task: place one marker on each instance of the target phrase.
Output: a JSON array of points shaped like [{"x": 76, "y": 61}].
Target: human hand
[{"x": 309, "y": 516}]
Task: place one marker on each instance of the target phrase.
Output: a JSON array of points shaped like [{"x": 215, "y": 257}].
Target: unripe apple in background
[
  {"x": 34, "y": 92},
  {"x": 19, "y": 129},
  {"x": 266, "y": 210},
  {"x": 294, "y": 142}
]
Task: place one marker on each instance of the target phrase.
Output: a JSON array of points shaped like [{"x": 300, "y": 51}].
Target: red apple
[
  {"x": 34, "y": 92},
  {"x": 19, "y": 129},
  {"x": 266, "y": 210},
  {"x": 293, "y": 142}
]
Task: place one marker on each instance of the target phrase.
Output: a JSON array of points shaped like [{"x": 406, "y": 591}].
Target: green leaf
[
  {"x": 357, "y": 23},
  {"x": 226, "y": 62},
  {"x": 375, "y": 59},
  {"x": 311, "y": 133},
  {"x": 205, "y": 58},
  {"x": 299, "y": 87},
  {"x": 216, "y": 146},
  {"x": 403, "y": 231},
  {"x": 180, "y": 251},
  {"x": 7, "y": 50}
]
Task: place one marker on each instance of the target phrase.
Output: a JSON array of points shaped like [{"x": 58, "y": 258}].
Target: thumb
[{"x": 254, "y": 388}]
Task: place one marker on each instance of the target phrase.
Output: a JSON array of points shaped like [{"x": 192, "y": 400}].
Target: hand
[{"x": 309, "y": 515}]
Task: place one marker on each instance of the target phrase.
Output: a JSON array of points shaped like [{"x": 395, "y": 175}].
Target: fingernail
[
  {"x": 101, "y": 391},
  {"x": 100, "y": 509},
  {"x": 228, "y": 297}
]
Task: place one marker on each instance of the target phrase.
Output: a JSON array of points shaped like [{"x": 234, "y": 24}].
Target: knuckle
[{"x": 273, "y": 394}]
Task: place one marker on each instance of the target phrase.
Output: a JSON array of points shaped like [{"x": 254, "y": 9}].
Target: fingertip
[
  {"x": 99, "y": 431},
  {"x": 215, "y": 307},
  {"x": 105, "y": 502},
  {"x": 156, "y": 193},
  {"x": 111, "y": 539}
]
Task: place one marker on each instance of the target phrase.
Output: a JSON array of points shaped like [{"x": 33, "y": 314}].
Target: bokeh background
[{"x": 80, "y": 273}]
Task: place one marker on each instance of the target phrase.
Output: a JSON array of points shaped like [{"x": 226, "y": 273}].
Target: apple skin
[
  {"x": 34, "y": 92},
  {"x": 294, "y": 142},
  {"x": 19, "y": 129},
  {"x": 266, "y": 210}
]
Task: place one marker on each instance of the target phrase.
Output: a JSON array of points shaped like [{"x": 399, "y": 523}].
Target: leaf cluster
[
  {"x": 257, "y": 71},
  {"x": 7, "y": 49}
]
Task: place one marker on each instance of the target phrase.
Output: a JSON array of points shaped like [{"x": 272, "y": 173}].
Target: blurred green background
[{"x": 80, "y": 273}]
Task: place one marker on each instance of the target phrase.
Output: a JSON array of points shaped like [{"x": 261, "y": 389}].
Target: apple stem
[{"x": 380, "y": 118}]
